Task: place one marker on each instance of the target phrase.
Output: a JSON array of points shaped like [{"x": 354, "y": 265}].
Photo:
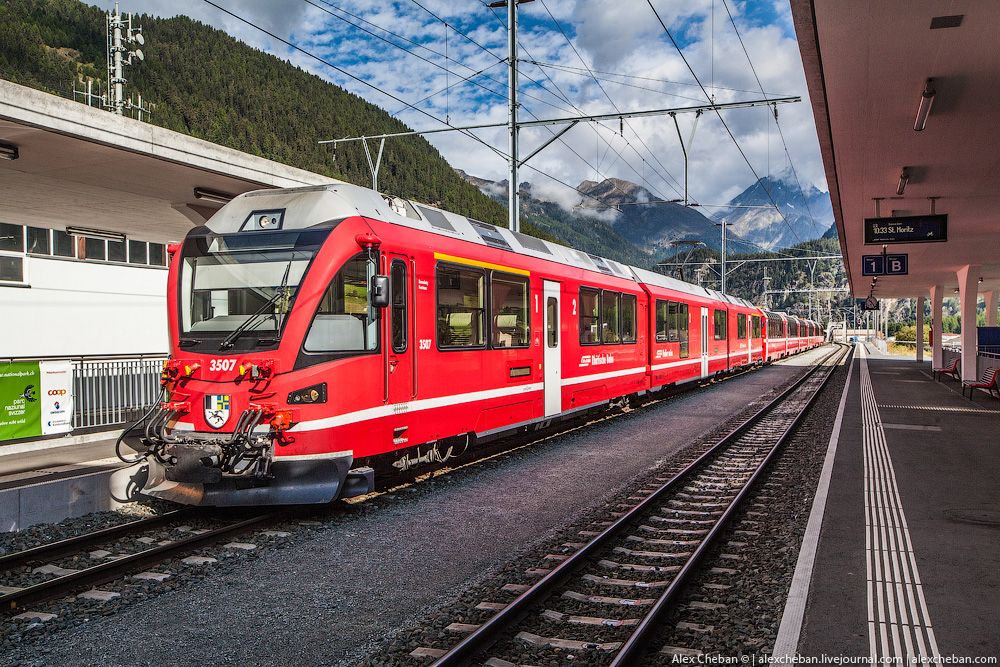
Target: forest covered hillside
[{"x": 205, "y": 83}]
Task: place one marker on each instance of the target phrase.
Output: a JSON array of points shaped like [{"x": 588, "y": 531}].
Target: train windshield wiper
[
  {"x": 279, "y": 294},
  {"x": 240, "y": 330}
]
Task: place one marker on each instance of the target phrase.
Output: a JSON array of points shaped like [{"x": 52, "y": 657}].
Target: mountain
[
  {"x": 205, "y": 83},
  {"x": 583, "y": 228},
  {"x": 650, "y": 226},
  {"x": 808, "y": 214}
]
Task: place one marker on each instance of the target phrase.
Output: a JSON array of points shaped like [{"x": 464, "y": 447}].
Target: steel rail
[
  {"x": 488, "y": 633},
  {"x": 634, "y": 646},
  {"x": 116, "y": 568},
  {"x": 70, "y": 544}
]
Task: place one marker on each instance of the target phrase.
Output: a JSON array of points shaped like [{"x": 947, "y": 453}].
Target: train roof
[{"x": 306, "y": 206}]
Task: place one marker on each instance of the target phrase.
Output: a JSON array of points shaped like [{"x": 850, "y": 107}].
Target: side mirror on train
[{"x": 380, "y": 291}]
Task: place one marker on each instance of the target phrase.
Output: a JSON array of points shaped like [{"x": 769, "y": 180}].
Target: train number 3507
[{"x": 222, "y": 364}]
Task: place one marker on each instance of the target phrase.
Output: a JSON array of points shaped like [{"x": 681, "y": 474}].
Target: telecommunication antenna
[{"x": 121, "y": 38}]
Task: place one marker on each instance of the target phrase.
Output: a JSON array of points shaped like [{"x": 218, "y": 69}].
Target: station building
[{"x": 89, "y": 202}]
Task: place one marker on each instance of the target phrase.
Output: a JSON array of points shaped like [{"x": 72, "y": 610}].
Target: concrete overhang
[
  {"x": 866, "y": 64},
  {"x": 86, "y": 167}
]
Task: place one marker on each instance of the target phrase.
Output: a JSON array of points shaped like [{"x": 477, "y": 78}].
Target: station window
[
  {"x": 461, "y": 306},
  {"x": 38, "y": 241},
  {"x": 610, "y": 305},
  {"x": 509, "y": 300},
  {"x": 62, "y": 244},
  {"x": 137, "y": 252},
  {"x": 116, "y": 251},
  {"x": 343, "y": 322},
  {"x": 11, "y": 237},
  {"x": 590, "y": 316},
  {"x": 741, "y": 325},
  {"x": 89, "y": 248},
  {"x": 719, "y": 320},
  {"x": 398, "y": 314},
  {"x": 157, "y": 254},
  {"x": 11, "y": 268},
  {"x": 755, "y": 326},
  {"x": 628, "y": 318}
]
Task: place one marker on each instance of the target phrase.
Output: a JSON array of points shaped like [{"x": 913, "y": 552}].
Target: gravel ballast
[{"x": 334, "y": 593}]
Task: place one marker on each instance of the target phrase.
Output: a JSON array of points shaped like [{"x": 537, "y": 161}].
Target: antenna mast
[{"x": 121, "y": 35}]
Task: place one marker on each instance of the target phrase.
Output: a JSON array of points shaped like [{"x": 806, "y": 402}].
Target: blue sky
[{"x": 415, "y": 56}]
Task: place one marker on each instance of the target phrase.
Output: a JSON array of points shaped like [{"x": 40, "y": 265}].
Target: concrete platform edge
[
  {"x": 54, "y": 443},
  {"x": 787, "y": 642},
  {"x": 50, "y": 502}
]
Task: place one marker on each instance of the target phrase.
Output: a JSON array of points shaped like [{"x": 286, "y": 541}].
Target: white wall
[{"x": 78, "y": 308}]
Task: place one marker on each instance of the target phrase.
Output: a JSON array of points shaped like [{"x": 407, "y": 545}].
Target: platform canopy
[
  {"x": 82, "y": 166},
  {"x": 867, "y": 65}
]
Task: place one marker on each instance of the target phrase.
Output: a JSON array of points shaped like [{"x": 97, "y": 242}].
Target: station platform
[
  {"x": 901, "y": 557},
  {"x": 50, "y": 480}
]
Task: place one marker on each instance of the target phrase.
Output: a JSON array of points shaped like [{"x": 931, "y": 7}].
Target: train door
[
  {"x": 399, "y": 329},
  {"x": 552, "y": 358},
  {"x": 704, "y": 342}
]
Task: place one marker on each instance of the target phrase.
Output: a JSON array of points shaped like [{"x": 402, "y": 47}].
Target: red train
[{"x": 321, "y": 333}]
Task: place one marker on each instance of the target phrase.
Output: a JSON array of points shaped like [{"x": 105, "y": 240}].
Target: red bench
[
  {"x": 951, "y": 369},
  {"x": 988, "y": 382}
]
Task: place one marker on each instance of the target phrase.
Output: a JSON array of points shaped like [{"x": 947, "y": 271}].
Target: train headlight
[{"x": 314, "y": 394}]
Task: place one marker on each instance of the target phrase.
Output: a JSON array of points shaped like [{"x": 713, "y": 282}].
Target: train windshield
[{"x": 245, "y": 282}]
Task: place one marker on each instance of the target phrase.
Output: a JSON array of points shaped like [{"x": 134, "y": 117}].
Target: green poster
[{"x": 20, "y": 401}]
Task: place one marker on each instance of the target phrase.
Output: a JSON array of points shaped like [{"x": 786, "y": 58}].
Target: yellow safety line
[{"x": 483, "y": 265}]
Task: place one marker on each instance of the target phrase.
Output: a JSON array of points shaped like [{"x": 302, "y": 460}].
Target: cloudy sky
[{"x": 591, "y": 56}]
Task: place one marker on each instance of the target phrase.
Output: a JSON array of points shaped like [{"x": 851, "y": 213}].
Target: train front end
[{"x": 242, "y": 293}]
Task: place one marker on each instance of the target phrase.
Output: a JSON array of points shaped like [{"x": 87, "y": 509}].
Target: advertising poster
[
  {"x": 20, "y": 400},
  {"x": 57, "y": 396}
]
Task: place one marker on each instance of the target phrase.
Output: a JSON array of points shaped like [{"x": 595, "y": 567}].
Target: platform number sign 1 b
[{"x": 885, "y": 265}]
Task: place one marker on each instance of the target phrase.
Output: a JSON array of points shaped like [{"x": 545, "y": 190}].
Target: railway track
[
  {"x": 605, "y": 601},
  {"x": 37, "y": 568}
]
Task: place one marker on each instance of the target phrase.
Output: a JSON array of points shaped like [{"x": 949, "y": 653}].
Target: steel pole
[{"x": 513, "y": 201}]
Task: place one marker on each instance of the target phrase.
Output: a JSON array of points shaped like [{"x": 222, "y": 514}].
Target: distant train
[{"x": 319, "y": 334}]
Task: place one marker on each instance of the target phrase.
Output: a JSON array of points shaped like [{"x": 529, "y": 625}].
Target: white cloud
[{"x": 620, "y": 37}]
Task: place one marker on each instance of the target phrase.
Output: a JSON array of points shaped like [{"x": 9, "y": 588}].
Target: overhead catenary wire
[
  {"x": 729, "y": 131},
  {"x": 384, "y": 92},
  {"x": 565, "y": 97},
  {"x": 560, "y": 95},
  {"x": 781, "y": 134}
]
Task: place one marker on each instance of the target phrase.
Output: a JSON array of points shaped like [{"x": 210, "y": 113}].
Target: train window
[
  {"x": 590, "y": 316},
  {"x": 662, "y": 321},
  {"x": 343, "y": 322},
  {"x": 461, "y": 306},
  {"x": 719, "y": 320},
  {"x": 397, "y": 317},
  {"x": 38, "y": 241},
  {"x": 610, "y": 310},
  {"x": 755, "y": 326},
  {"x": 741, "y": 325},
  {"x": 682, "y": 327},
  {"x": 552, "y": 327},
  {"x": 509, "y": 301},
  {"x": 628, "y": 318}
]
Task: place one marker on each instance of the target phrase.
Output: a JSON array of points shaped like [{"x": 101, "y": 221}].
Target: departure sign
[{"x": 906, "y": 229}]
